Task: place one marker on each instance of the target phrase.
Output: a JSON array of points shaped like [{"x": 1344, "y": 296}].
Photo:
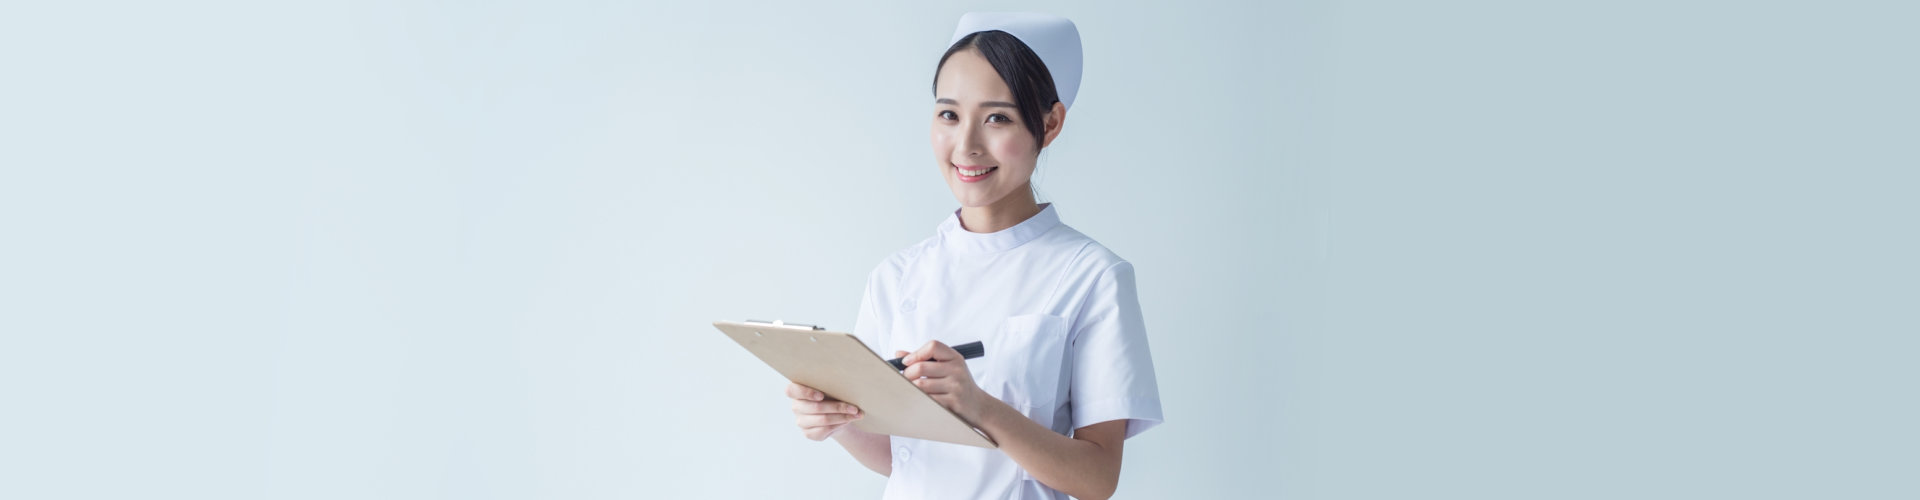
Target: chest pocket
[{"x": 1028, "y": 356}]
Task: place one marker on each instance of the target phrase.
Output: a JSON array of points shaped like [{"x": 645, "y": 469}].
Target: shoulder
[
  {"x": 1097, "y": 283},
  {"x": 894, "y": 266},
  {"x": 1089, "y": 259}
]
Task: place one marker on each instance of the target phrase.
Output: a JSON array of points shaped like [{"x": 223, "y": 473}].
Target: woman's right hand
[{"x": 818, "y": 415}]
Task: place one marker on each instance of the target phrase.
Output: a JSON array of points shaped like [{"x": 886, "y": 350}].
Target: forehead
[{"x": 968, "y": 77}]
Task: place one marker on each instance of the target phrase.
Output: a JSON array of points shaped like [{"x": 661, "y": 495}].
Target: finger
[
  {"x": 934, "y": 385},
  {"x": 918, "y": 354},
  {"x": 825, "y": 419},
  {"x": 924, "y": 369},
  {"x": 820, "y": 407},
  {"x": 822, "y": 433},
  {"x": 797, "y": 391},
  {"x": 934, "y": 369},
  {"x": 901, "y": 354},
  {"x": 930, "y": 351},
  {"x": 939, "y": 351}
]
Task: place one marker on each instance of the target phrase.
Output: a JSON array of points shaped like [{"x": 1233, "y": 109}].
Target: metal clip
[{"x": 783, "y": 324}]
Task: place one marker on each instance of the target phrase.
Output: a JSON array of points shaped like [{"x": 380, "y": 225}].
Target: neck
[{"x": 1008, "y": 211}]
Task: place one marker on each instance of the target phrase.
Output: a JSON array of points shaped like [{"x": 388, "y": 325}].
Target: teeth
[{"x": 974, "y": 173}]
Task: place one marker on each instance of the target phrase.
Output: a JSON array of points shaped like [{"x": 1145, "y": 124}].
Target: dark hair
[{"x": 1025, "y": 74}]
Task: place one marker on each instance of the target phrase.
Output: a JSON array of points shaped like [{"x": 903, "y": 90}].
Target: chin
[
  {"x": 970, "y": 196},
  {"x": 968, "y": 201}
]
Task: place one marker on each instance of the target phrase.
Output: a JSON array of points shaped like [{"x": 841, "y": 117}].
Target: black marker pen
[{"x": 968, "y": 350}]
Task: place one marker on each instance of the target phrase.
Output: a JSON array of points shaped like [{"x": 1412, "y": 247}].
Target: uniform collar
[{"x": 959, "y": 238}]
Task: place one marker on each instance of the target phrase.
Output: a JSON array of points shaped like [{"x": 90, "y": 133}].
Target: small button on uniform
[
  {"x": 903, "y": 454},
  {"x": 906, "y": 305}
]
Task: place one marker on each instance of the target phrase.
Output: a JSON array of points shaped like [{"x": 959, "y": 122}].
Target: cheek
[
  {"x": 1011, "y": 148},
  {"x": 1006, "y": 150},
  {"x": 1011, "y": 142},
  {"x": 941, "y": 146}
]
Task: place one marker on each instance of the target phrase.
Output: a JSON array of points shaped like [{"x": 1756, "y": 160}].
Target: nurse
[{"x": 1067, "y": 377}]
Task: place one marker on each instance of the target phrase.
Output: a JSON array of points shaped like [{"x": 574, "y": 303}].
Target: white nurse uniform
[{"x": 1065, "y": 343}]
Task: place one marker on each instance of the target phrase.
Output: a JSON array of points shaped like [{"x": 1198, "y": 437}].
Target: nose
[{"x": 972, "y": 144}]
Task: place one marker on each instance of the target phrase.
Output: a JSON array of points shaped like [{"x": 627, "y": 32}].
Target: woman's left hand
[{"x": 941, "y": 372}]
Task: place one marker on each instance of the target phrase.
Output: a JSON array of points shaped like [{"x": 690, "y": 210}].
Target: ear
[{"x": 1055, "y": 118}]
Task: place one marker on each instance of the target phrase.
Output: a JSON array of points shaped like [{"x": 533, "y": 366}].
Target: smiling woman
[
  {"x": 1018, "y": 67},
  {"x": 1068, "y": 376},
  {"x": 986, "y": 135}
]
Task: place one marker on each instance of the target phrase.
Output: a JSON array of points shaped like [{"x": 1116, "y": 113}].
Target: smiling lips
[{"x": 970, "y": 173}]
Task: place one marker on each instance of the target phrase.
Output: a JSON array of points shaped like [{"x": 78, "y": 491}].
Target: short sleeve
[
  {"x": 1113, "y": 375},
  {"x": 868, "y": 325}
]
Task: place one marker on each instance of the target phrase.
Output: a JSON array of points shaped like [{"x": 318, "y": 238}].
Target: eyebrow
[{"x": 1000, "y": 104}]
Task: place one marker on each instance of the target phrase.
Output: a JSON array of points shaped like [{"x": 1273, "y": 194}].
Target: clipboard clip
[{"x": 782, "y": 324}]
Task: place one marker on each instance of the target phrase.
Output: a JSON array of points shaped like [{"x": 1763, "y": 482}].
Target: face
[{"x": 977, "y": 131}]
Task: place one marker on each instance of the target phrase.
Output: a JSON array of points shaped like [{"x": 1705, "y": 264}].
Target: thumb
[{"x": 900, "y": 354}]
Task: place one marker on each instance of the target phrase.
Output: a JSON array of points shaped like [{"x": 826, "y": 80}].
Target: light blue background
[{"x": 1386, "y": 250}]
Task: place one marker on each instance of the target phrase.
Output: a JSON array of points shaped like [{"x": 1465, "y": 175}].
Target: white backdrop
[{"x": 1385, "y": 249}]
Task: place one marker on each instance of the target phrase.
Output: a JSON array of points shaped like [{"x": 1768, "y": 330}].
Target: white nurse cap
[{"x": 1052, "y": 37}]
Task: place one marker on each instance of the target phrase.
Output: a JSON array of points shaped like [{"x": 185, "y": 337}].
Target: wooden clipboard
[{"x": 841, "y": 366}]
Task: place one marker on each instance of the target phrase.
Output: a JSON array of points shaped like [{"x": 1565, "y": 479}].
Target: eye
[
  {"x": 998, "y": 118},
  {"x": 948, "y": 115}
]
